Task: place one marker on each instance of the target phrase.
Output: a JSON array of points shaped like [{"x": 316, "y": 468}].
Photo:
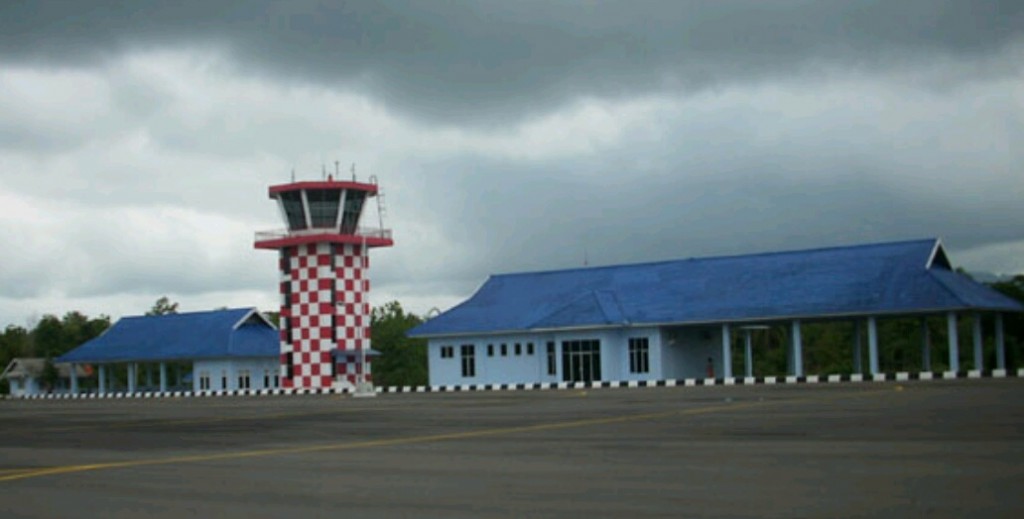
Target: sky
[{"x": 138, "y": 139}]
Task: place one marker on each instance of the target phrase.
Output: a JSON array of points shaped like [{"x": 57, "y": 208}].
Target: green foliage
[
  {"x": 51, "y": 337},
  {"x": 50, "y": 376},
  {"x": 403, "y": 361},
  {"x": 163, "y": 306}
]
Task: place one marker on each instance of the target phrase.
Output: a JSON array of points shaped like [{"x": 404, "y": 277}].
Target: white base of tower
[{"x": 364, "y": 390}]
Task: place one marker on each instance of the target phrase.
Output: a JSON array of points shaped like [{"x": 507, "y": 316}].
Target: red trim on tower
[
  {"x": 371, "y": 189},
  {"x": 352, "y": 239}
]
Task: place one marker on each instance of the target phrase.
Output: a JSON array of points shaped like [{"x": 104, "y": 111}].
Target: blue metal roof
[
  {"x": 239, "y": 332},
  {"x": 883, "y": 278}
]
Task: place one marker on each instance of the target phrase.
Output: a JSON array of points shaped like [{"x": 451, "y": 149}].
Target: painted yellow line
[{"x": 69, "y": 469}]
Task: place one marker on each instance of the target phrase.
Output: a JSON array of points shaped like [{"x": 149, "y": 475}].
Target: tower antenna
[
  {"x": 353, "y": 172},
  {"x": 293, "y": 175}
]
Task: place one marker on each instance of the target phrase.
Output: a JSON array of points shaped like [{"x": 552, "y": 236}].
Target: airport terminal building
[
  {"x": 217, "y": 350},
  {"x": 678, "y": 319}
]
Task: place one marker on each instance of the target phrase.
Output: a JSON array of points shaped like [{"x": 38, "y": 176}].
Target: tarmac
[{"x": 928, "y": 448}]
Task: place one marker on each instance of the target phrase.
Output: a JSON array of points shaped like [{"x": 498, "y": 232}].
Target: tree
[
  {"x": 163, "y": 306},
  {"x": 403, "y": 361},
  {"x": 1013, "y": 322},
  {"x": 50, "y": 376}
]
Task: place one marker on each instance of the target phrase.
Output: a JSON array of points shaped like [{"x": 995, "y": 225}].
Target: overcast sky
[{"x": 137, "y": 139}]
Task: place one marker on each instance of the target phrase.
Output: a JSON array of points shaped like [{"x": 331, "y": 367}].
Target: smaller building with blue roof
[
  {"x": 677, "y": 319},
  {"x": 218, "y": 350}
]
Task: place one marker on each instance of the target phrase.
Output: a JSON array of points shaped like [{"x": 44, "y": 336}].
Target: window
[
  {"x": 289, "y": 365},
  {"x": 224, "y": 379},
  {"x": 504, "y": 350},
  {"x": 552, "y": 362},
  {"x": 468, "y": 360},
  {"x": 277, "y": 380},
  {"x": 638, "y": 356},
  {"x": 519, "y": 349},
  {"x": 204, "y": 380},
  {"x": 353, "y": 207},
  {"x": 490, "y": 350},
  {"x": 529, "y": 348},
  {"x": 447, "y": 352},
  {"x": 266, "y": 378},
  {"x": 243, "y": 379},
  {"x": 291, "y": 201},
  {"x": 323, "y": 206}
]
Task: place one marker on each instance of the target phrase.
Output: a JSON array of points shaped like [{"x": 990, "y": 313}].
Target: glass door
[{"x": 581, "y": 360}]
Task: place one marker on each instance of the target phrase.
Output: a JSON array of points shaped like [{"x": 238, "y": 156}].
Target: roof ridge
[
  {"x": 192, "y": 313},
  {"x": 719, "y": 257}
]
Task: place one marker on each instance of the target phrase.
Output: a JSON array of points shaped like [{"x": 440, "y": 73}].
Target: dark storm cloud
[{"x": 484, "y": 62}]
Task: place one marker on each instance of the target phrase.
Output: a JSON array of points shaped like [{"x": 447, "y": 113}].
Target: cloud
[
  {"x": 487, "y": 62},
  {"x": 136, "y": 145}
]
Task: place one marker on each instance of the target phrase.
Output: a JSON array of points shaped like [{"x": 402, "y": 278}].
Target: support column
[
  {"x": 1000, "y": 343},
  {"x": 954, "y": 347},
  {"x": 979, "y": 350},
  {"x": 748, "y": 358},
  {"x": 797, "y": 348},
  {"x": 102, "y": 389},
  {"x": 163, "y": 377},
  {"x": 873, "y": 345},
  {"x": 132, "y": 367},
  {"x": 858, "y": 355},
  {"x": 726, "y": 352},
  {"x": 74, "y": 379},
  {"x": 926, "y": 345}
]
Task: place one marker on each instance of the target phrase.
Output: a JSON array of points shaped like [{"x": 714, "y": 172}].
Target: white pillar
[
  {"x": 102, "y": 379},
  {"x": 798, "y": 354},
  {"x": 748, "y": 358},
  {"x": 74, "y": 379},
  {"x": 132, "y": 367},
  {"x": 926, "y": 345},
  {"x": 979, "y": 350},
  {"x": 163, "y": 377},
  {"x": 954, "y": 347},
  {"x": 858, "y": 355},
  {"x": 1000, "y": 343},
  {"x": 873, "y": 345},
  {"x": 726, "y": 352}
]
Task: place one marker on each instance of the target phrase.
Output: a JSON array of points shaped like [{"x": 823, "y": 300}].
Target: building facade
[
  {"x": 682, "y": 319},
  {"x": 218, "y": 350}
]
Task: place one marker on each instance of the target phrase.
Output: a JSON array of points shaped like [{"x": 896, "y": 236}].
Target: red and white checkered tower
[{"x": 325, "y": 286}]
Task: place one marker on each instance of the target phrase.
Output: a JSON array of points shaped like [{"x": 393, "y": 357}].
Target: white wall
[
  {"x": 686, "y": 351},
  {"x": 524, "y": 368},
  {"x": 231, "y": 367}
]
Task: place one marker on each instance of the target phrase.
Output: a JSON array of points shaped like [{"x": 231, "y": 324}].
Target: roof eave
[{"x": 706, "y": 322}]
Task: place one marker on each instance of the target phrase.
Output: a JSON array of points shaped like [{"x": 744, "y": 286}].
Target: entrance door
[{"x": 581, "y": 361}]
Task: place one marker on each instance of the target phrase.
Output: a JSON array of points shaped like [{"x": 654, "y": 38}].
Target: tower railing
[{"x": 362, "y": 232}]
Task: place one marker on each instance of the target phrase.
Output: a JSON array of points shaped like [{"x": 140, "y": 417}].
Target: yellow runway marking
[{"x": 70, "y": 469}]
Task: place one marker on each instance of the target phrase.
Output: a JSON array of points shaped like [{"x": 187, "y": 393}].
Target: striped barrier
[{"x": 538, "y": 386}]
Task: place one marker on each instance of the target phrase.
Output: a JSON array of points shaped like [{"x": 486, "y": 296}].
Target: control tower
[{"x": 324, "y": 279}]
